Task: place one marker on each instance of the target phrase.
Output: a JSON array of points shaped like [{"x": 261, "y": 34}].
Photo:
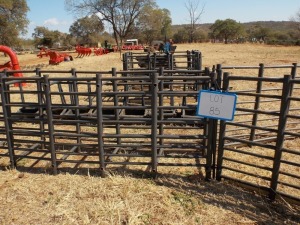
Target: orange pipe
[{"x": 13, "y": 58}]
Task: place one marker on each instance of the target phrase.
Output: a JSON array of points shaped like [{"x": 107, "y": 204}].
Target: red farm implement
[
  {"x": 56, "y": 57},
  {"x": 132, "y": 47},
  {"x": 43, "y": 52},
  {"x": 13, "y": 64},
  {"x": 83, "y": 51},
  {"x": 100, "y": 51}
]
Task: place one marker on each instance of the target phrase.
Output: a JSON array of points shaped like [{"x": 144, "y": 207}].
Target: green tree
[
  {"x": 44, "y": 36},
  {"x": 226, "y": 29},
  {"x": 259, "y": 33},
  {"x": 121, "y": 15},
  {"x": 181, "y": 36},
  {"x": 13, "y": 21},
  {"x": 149, "y": 28},
  {"x": 87, "y": 30}
]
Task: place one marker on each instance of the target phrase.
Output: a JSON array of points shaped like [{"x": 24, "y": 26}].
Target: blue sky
[{"x": 52, "y": 13}]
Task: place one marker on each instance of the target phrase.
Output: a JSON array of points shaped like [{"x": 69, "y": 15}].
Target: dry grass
[
  {"x": 73, "y": 199},
  {"x": 178, "y": 196}
]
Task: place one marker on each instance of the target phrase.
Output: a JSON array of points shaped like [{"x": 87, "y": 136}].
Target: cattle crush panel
[{"x": 146, "y": 119}]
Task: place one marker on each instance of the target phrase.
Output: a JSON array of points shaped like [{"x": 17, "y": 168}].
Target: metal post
[
  {"x": 125, "y": 61},
  {"x": 219, "y": 71},
  {"x": 221, "y": 135},
  {"x": 257, "y": 101},
  {"x": 173, "y": 62},
  {"x": 199, "y": 54},
  {"x": 116, "y": 102},
  {"x": 209, "y": 155},
  {"x": 149, "y": 61},
  {"x": 161, "y": 103},
  {"x": 294, "y": 70},
  {"x": 41, "y": 102},
  {"x": 75, "y": 102},
  {"x": 100, "y": 124},
  {"x": 8, "y": 126},
  {"x": 38, "y": 72},
  {"x": 216, "y": 80},
  {"x": 293, "y": 74},
  {"x": 50, "y": 123},
  {"x": 189, "y": 60},
  {"x": 284, "y": 109},
  {"x": 154, "y": 90},
  {"x": 131, "y": 60}
]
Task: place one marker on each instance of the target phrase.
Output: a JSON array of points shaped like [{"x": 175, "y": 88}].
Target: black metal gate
[
  {"x": 107, "y": 120},
  {"x": 257, "y": 149},
  {"x": 146, "y": 119}
]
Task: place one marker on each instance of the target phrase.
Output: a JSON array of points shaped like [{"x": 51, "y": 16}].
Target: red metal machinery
[
  {"x": 43, "y": 52},
  {"x": 82, "y": 51},
  {"x": 13, "y": 64},
  {"x": 100, "y": 51},
  {"x": 56, "y": 57}
]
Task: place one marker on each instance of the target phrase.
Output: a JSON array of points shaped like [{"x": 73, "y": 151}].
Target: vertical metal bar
[
  {"x": 126, "y": 88},
  {"x": 154, "y": 90},
  {"x": 207, "y": 73},
  {"x": 41, "y": 102},
  {"x": 221, "y": 135},
  {"x": 209, "y": 155},
  {"x": 89, "y": 89},
  {"x": 199, "y": 55},
  {"x": 38, "y": 72},
  {"x": 189, "y": 60},
  {"x": 172, "y": 61},
  {"x": 50, "y": 123},
  {"x": 183, "y": 103},
  {"x": 62, "y": 96},
  {"x": 257, "y": 102},
  {"x": 294, "y": 70},
  {"x": 219, "y": 80},
  {"x": 216, "y": 80},
  {"x": 100, "y": 124},
  {"x": 171, "y": 86},
  {"x": 293, "y": 74},
  {"x": 219, "y": 71},
  {"x": 214, "y": 146},
  {"x": 161, "y": 103},
  {"x": 284, "y": 109},
  {"x": 7, "y": 123},
  {"x": 116, "y": 102},
  {"x": 125, "y": 61},
  {"x": 74, "y": 89},
  {"x": 205, "y": 142},
  {"x": 130, "y": 60},
  {"x": 149, "y": 61},
  {"x": 211, "y": 143},
  {"x": 21, "y": 93}
]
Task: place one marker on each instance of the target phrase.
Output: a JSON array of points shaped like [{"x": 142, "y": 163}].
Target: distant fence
[
  {"x": 188, "y": 60},
  {"x": 146, "y": 118}
]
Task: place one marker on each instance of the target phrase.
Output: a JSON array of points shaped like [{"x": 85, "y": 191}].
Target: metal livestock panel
[
  {"x": 256, "y": 160},
  {"x": 106, "y": 120}
]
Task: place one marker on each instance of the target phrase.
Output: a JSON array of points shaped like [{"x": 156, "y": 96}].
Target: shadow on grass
[{"x": 249, "y": 204}]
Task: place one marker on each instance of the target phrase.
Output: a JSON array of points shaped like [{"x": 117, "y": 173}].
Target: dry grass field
[{"x": 177, "y": 196}]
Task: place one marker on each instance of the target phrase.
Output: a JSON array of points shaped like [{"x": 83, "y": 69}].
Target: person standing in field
[{"x": 167, "y": 47}]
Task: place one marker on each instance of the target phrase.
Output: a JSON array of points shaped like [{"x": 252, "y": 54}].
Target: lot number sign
[{"x": 216, "y": 105}]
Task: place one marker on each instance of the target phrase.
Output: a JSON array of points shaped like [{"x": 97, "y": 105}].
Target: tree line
[{"x": 141, "y": 19}]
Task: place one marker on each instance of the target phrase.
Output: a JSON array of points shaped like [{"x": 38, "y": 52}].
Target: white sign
[{"x": 216, "y": 105}]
